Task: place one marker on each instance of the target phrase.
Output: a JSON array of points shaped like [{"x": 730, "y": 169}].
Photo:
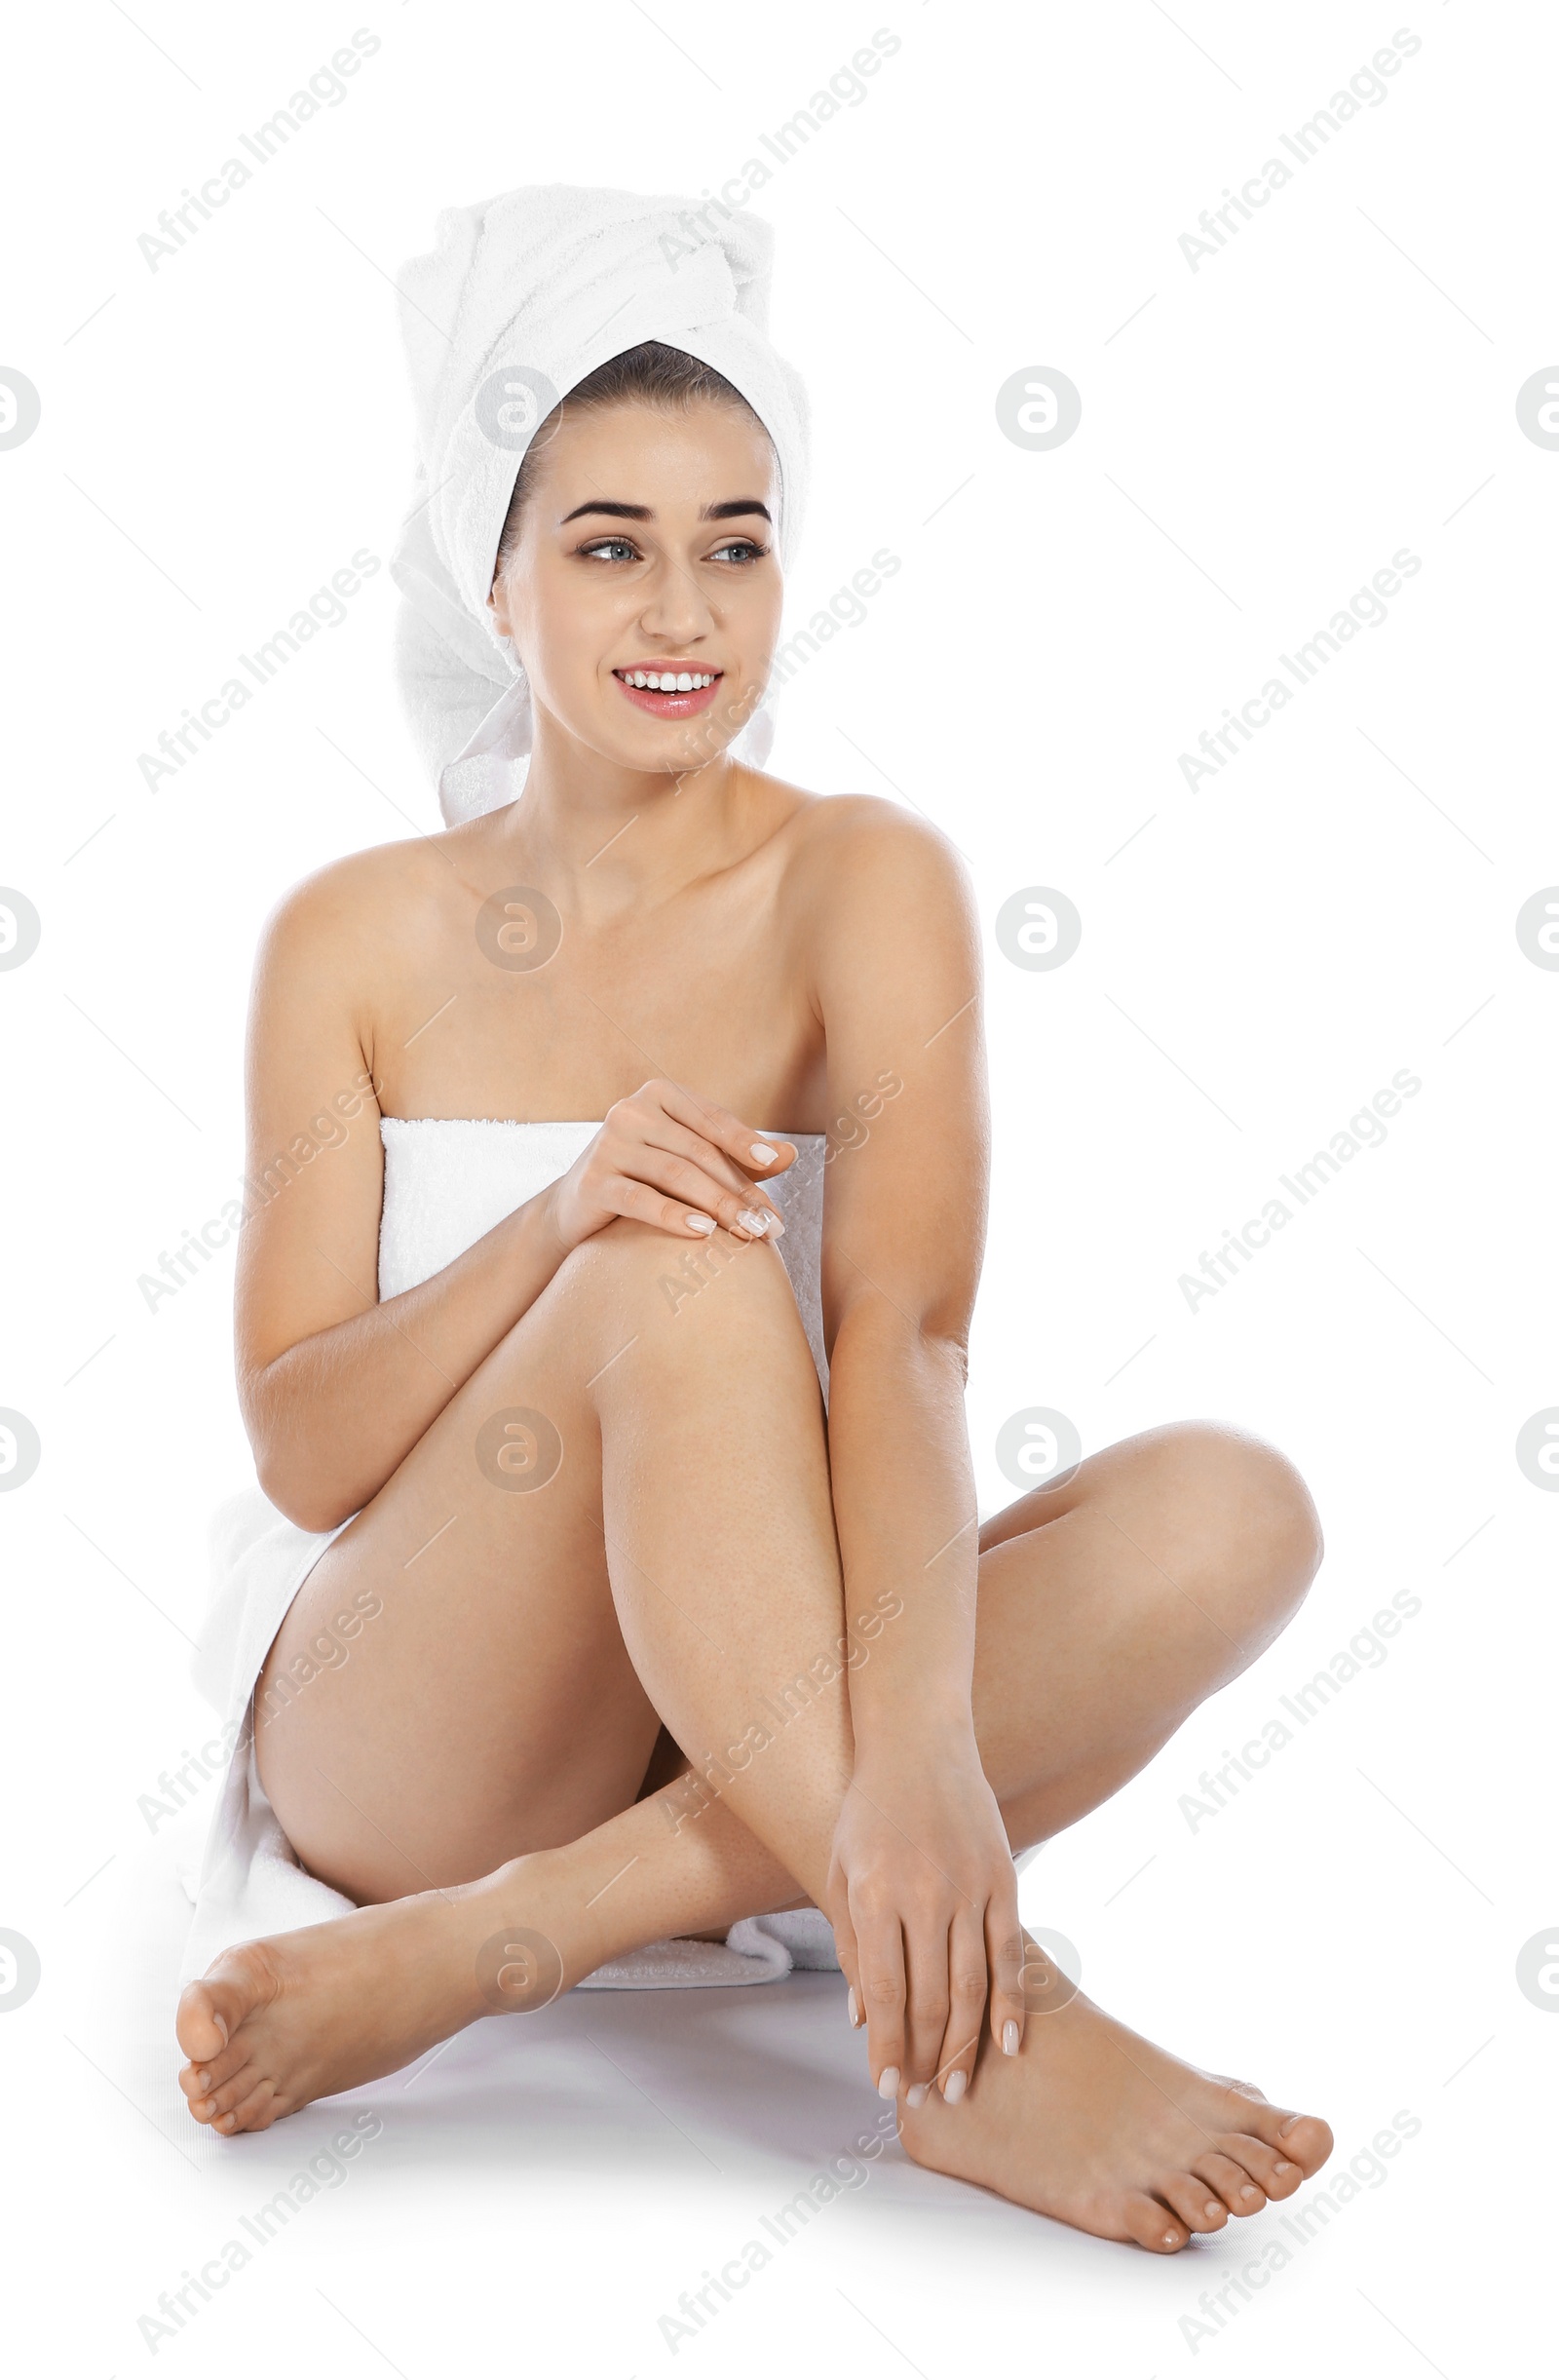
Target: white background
[{"x": 1257, "y": 436}]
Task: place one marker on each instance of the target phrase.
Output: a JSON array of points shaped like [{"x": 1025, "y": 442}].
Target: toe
[
  {"x": 1277, "y": 2176},
  {"x": 1231, "y": 2182},
  {"x": 202, "y": 2024},
  {"x": 210, "y": 2012},
  {"x": 226, "y": 2097},
  {"x": 198, "y": 2081},
  {"x": 1193, "y": 2202},
  {"x": 1152, "y": 2225},
  {"x": 1306, "y": 2141},
  {"x": 254, "y": 2114}
]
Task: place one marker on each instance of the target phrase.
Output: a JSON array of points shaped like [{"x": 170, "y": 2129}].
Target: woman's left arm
[{"x": 923, "y": 1892}]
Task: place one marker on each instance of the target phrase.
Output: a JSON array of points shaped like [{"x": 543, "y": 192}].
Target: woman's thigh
[{"x": 450, "y": 1687}]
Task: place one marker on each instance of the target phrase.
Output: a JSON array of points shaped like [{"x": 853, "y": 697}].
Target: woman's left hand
[{"x": 923, "y": 1898}]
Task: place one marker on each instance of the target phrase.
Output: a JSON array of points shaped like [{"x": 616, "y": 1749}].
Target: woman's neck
[{"x": 596, "y": 834}]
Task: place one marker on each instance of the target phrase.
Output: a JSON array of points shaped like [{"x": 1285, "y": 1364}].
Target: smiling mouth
[{"x": 670, "y": 693}]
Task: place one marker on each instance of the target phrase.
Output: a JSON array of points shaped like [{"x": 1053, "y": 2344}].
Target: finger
[
  {"x": 1004, "y": 1954},
  {"x": 672, "y": 1202},
  {"x": 660, "y": 1130},
  {"x": 743, "y": 1142},
  {"x": 967, "y": 1980},
  {"x": 927, "y": 1998},
  {"x": 848, "y": 1957},
  {"x": 881, "y": 1967},
  {"x": 637, "y": 1203},
  {"x": 744, "y": 1209}
]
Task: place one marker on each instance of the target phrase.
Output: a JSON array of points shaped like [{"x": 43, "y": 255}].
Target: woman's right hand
[{"x": 667, "y": 1157}]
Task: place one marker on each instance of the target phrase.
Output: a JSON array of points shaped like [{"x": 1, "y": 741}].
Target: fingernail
[
  {"x": 855, "y": 2007},
  {"x": 1009, "y": 2037},
  {"x": 751, "y": 1220},
  {"x": 761, "y": 1154},
  {"x": 956, "y": 2084},
  {"x": 915, "y": 2095},
  {"x": 888, "y": 2082},
  {"x": 700, "y": 1222}
]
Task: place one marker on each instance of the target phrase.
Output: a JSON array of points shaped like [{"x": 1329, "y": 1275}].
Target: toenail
[
  {"x": 888, "y": 2082},
  {"x": 204, "y": 2080},
  {"x": 956, "y": 2084},
  {"x": 223, "y": 2123},
  {"x": 1249, "y": 2192},
  {"x": 1169, "y": 2239},
  {"x": 204, "y": 2108},
  {"x": 1283, "y": 2130},
  {"x": 1283, "y": 2166},
  {"x": 1213, "y": 2207}
]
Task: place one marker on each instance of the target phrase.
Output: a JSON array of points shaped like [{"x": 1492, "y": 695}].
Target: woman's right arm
[{"x": 335, "y": 1388}]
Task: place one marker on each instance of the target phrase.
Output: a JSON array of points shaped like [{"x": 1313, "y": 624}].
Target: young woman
[{"x": 592, "y": 1521}]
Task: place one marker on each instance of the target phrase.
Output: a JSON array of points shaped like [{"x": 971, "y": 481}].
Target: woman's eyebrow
[
  {"x": 731, "y": 510},
  {"x": 614, "y": 512}
]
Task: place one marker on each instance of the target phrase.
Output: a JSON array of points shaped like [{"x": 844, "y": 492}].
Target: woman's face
[{"x": 646, "y": 549}]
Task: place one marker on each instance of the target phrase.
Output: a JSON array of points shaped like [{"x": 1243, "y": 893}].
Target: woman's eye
[
  {"x": 741, "y": 550},
  {"x": 613, "y": 549}
]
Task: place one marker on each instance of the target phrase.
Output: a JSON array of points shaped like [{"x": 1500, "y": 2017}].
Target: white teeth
[{"x": 670, "y": 681}]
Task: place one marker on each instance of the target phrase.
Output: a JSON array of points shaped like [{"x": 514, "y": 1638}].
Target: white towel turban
[{"x": 521, "y": 298}]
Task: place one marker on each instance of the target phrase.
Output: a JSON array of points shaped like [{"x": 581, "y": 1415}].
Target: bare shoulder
[
  {"x": 338, "y": 921},
  {"x": 862, "y": 866}
]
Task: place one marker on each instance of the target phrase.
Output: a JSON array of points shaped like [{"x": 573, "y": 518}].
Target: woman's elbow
[{"x": 306, "y": 1502}]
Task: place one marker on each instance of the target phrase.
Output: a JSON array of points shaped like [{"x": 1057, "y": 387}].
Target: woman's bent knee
[
  {"x": 1251, "y": 1514},
  {"x": 677, "y": 1303}
]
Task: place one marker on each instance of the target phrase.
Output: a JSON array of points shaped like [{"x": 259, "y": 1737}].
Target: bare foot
[
  {"x": 276, "y": 2023},
  {"x": 1094, "y": 2124}
]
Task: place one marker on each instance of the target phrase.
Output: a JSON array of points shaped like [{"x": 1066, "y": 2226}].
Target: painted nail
[
  {"x": 888, "y": 2082},
  {"x": 915, "y": 2095},
  {"x": 761, "y": 1154},
  {"x": 956, "y": 2084},
  {"x": 854, "y": 2007},
  {"x": 700, "y": 1222},
  {"x": 751, "y": 1220},
  {"x": 1009, "y": 2037}
]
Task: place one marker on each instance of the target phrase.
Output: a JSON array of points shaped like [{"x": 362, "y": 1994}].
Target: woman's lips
[{"x": 672, "y": 706}]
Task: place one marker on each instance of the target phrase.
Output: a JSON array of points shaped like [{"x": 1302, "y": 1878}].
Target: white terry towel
[{"x": 521, "y": 298}]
